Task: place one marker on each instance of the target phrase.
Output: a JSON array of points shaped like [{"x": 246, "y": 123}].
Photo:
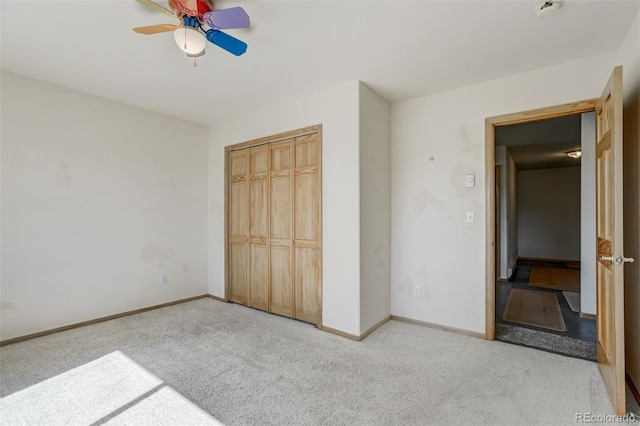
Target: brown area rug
[
  {"x": 555, "y": 278},
  {"x": 573, "y": 264},
  {"x": 537, "y": 308}
]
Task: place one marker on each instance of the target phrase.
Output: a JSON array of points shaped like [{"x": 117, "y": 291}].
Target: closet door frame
[{"x": 257, "y": 142}]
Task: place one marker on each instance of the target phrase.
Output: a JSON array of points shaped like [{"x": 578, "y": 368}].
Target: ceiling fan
[{"x": 199, "y": 23}]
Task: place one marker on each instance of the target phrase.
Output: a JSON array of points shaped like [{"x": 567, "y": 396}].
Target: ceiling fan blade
[
  {"x": 155, "y": 29},
  {"x": 157, "y": 7},
  {"x": 234, "y": 17},
  {"x": 227, "y": 42}
]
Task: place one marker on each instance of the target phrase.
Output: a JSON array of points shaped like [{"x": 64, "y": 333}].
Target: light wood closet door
[
  {"x": 239, "y": 226},
  {"x": 274, "y": 224},
  {"x": 281, "y": 224},
  {"x": 259, "y": 228},
  {"x": 307, "y": 227}
]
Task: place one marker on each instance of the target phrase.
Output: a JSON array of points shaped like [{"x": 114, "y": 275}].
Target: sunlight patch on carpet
[{"x": 109, "y": 387}]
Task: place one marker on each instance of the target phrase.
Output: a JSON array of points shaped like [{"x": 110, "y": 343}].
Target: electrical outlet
[
  {"x": 163, "y": 279},
  {"x": 416, "y": 291}
]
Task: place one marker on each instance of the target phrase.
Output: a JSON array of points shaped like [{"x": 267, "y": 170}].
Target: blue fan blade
[
  {"x": 234, "y": 17},
  {"x": 228, "y": 43}
]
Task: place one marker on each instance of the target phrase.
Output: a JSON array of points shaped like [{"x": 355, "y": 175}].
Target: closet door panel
[
  {"x": 306, "y": 206},
  {"x": 259, "y": 206},
  {"x": 239, "y": 227},
  {"x": 307, "y": 228},
  {"x": 307, "y": 152},
  {"x": 239, "y": 273},
  {"x": 259, "y": 227},
  {"x": 238, "y": 193},
  {"x": 280, "y": 155},
  {"x": 259, "y": 298},
  {"x": 281, "y": 239},
  {"x": 307, "y": 284},
  {"x": 281, "y": 283},
  {"x": 281, "y": 206},
  {"x": 280, "y": 190}
]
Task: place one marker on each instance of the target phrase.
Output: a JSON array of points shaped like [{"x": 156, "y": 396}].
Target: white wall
[
  {"x": 431, "y": 244},
  {"x": 512, "y": 214},
  {"x": 336, "y": 109},
  {"x": 501, "y": 160},
  {"x": 98, "y": 200},
  {"x": 549, "y": 213},
  {"x": 508, "y": 212},
  {"x": 375, "y": 208},
  {"x": 588, "y": 214},
  {"x": 629, "y": 57}
]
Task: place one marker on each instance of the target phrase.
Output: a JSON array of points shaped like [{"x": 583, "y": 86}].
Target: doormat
[
  {"x": 537, "y": 308},
  {"x": 555, "y": 343},
  {"x": 573, "y": 299},
  {"x": 555, "y": 278}
]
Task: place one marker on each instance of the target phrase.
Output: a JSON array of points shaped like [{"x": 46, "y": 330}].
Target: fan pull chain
[
  {"x": 195, "y": 62},
  {"x": 185, "y": 38}
]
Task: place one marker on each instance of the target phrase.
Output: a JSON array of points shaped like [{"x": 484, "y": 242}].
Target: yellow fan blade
[
  {"x": 155, "y": 29},
  {"x": 157, "y": 7}
]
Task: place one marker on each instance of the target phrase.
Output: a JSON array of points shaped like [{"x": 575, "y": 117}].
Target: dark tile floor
[{"x": 578, "y": 328}]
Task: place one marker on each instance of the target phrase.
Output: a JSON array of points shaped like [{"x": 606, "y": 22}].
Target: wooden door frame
[
  {"x": 490, "y": 209},
  {"x": 227, "y": 182}
]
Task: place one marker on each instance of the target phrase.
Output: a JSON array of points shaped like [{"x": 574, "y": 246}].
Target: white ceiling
[
  {"x": 401, "y": 49},
  {"x": 542, "y": 144},
  {"x": 544, "y": 156}
]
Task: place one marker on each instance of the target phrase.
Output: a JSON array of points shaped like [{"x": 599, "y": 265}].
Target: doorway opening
[
  {"x": 492, "y": 267},
  {"x": 545, "y": 294}
]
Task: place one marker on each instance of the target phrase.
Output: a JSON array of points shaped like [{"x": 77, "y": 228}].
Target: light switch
[
  {"x": 471, "y": 217},
  {"x": 470, "y": 181}
]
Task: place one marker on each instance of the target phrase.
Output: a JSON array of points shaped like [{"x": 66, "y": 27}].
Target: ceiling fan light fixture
[
  {"x": 576, "y": 153},
  {"x": 196, "y": 55},
  {"x": 190, "y": 41}
]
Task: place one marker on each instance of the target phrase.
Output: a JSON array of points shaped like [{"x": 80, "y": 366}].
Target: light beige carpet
[
  {"x": 555, "y": 278},
  {"x": 536, "y": 308},
  {"x": 248, "y": 367},
  {"x": 111, "y": 390}
]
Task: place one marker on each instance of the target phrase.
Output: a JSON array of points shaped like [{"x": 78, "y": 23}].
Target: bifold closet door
[
  {"x": 307, "y": 227},
  {"x": 274, "y": 227},
  {"x": 281, "y": 233},
  {"x": 259, "y": 227},
  {"x": 239, "y": 226}
]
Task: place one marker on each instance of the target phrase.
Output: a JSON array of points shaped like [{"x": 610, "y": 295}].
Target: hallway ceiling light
[{"x": 576, "y": 153}]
